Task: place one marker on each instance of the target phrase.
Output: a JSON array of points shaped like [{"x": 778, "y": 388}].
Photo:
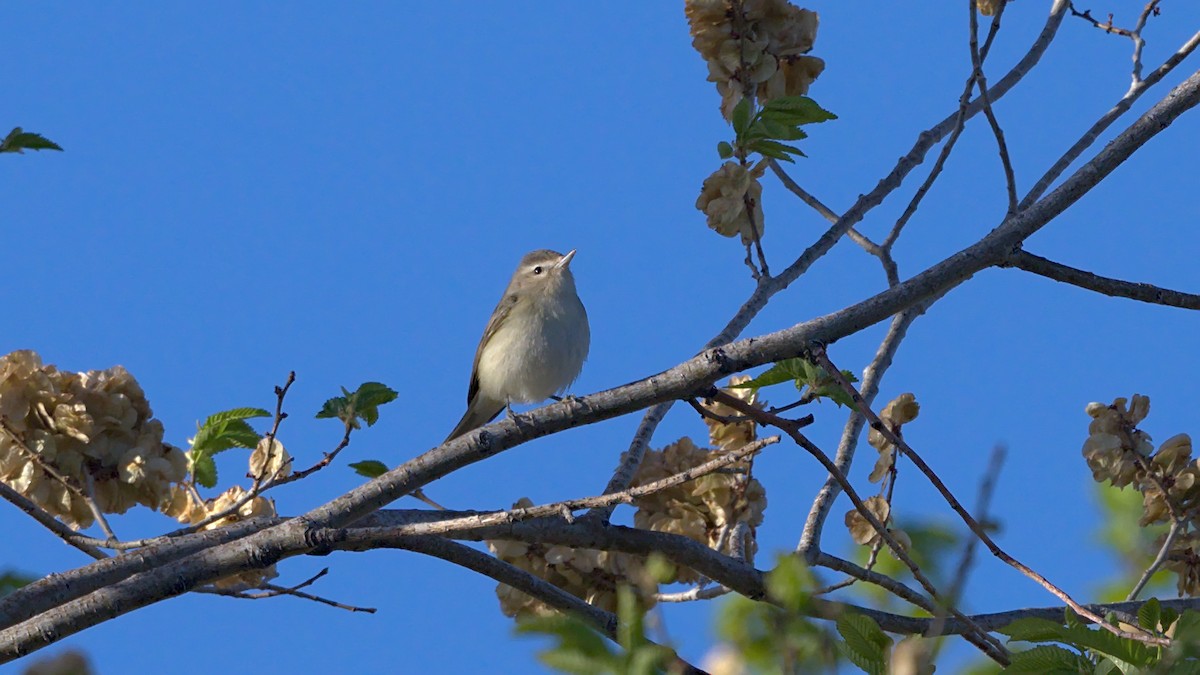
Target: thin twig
[
  {"x": 810, "y": 538},
  {"x": 632, "y": 457},
  {"x": 1115, "y": 288},
  {"x": 987, "y": 643},
  {"x": 1010, "y": 180},
  {"x": 451, "y": 525},
  {"x": 1093, "y": 133},
  {"x": 1159, "y": 559},
  {"x": 84, "y": 496},
  {"x": 1139, "y": 634},
  {"x": 274, "y": 591},
  {"x": 88, "y": 545}
]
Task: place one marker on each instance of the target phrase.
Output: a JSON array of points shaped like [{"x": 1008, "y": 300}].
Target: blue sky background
[{"x": 253, "y": 188}]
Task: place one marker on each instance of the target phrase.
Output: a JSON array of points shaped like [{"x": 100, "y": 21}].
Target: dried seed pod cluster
[
  {"x": 704, "y": 509},
  {"x": 1168, "y": 478},
  {"x": 731, "y": 199},
  {"x": 755, "y": 44},
  {"x": 587, "y": 573},
  {"x": 67, "y": 435}
]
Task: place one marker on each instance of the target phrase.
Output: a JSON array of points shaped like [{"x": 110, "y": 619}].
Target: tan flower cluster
[
  {"x": 94, "y": 430},
  {"x": 185, "y": 508},
  {"x": 862, "y": 532},
  {"x": 737, "y": 434},
  {"x": 1168, "y": 478},
  {"x": 701, "y": 509},
  {"x": 898, "y": 412},
  {"x": 757, "y": 44},
  {"x": 723, "y": 199},
  {"x": 988, "y": 7},
  {"x": 705, "y": 508},
  {"x": 586, "y": 573},
  {"x": 1184, "y": 560}
]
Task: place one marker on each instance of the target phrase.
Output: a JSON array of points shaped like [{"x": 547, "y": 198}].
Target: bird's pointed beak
[{"x": 566, "y": 260}]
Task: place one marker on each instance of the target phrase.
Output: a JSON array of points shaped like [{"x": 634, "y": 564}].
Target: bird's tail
[{"x": 480, "y": 411}]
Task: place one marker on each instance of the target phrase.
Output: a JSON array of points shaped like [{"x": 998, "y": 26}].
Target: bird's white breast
[{"x": 535, "y": 354}]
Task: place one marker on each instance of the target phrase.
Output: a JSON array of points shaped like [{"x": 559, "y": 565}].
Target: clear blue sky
[{"x": 250, "y": 188}]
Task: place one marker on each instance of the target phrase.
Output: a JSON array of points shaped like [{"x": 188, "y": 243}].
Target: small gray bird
[{"x": 534, "y": 345}]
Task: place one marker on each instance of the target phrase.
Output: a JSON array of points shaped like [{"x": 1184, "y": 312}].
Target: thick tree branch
[
  {"x": 294, "y": 537},
  {"x": 632, "y": 458}
]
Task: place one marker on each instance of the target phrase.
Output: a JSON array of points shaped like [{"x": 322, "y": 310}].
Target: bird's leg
[{"x": 508, "y": 407}]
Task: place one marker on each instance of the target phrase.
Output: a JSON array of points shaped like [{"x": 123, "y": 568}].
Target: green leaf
[
  {"x": 787, "y": 370},
  {"x": 775, "y": 150},
  {"x": 741, "y": 117},
  {"x": 567, "y": 660},
  {"x": 574, "y": 636},
  {"x": 231, "y": 433},
  {"x": 648, "y": 660},
  {"x": 865, "y": 642},
  {"x": 203, "y": 468},
  {"x": 19, "y": 140},
  {"x": 630, "y": 634},
  {"x": 1047, "y": 659},
  {"x": 780, "y": 130},
  {"x": 797, "y": 110},
  {"x": 235, "y": 414},
  {"x": 11, "y": 581},
  {"x": 725, "y": 150},
  {"x": 1033, "y": 629},
  {"x": 790, "y": 583},
  {"x": 1149, "y": 614},
  {"x": 363, "y": 404},
  {"x": 371, "y": 468}
]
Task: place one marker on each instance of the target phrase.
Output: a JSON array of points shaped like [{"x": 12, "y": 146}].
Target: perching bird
[{"x": 535, "y": 343}]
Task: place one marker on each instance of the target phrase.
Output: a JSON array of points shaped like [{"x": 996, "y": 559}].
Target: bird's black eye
[{"x": 537, "y": 270}]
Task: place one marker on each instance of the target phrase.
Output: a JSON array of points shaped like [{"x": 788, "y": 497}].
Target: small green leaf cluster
[
  {"x": 1095, "y": 650},
  {"x": 763, "y": 131},
  {"x": 220, "y": 432},
  {"x": 779, "y": 637},
  {"x": 19, "y": 140},
  {"x": 11, "y": 581},
  {"x": 580, "y": 649},
  {"x": 805, "y": 375},
  {"x": 361, "y": 405}
]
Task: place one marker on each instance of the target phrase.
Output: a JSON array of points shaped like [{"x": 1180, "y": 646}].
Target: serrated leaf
[
  {"x": 1033, "y": 629},
  {"x": 775, "y": 149},
  {"x": 371, "y": 468},
  {"x": 333, "y": 407},
  {"x": 787, "y": 370},
  {"x": 725, "y": 150},
  {"x": 866, "y": 643},
  {"x": 741, "y": 117},
  {"x": 869, "y": 666},
  {"x": 1046, "y": 659},
  {"x": 204, "y": 469},
  {"x": 235, "y": 414},
  {"x": 19, "y": 140},
  {"x": 1149, "y": 614},
  {"x": 232, "y": 433},
  {"x": 802, "y": 109},
  {"x": 362, "y": 404},
  {"x": 777, "y": 129},
  {"x": 375, "y": 394}
]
